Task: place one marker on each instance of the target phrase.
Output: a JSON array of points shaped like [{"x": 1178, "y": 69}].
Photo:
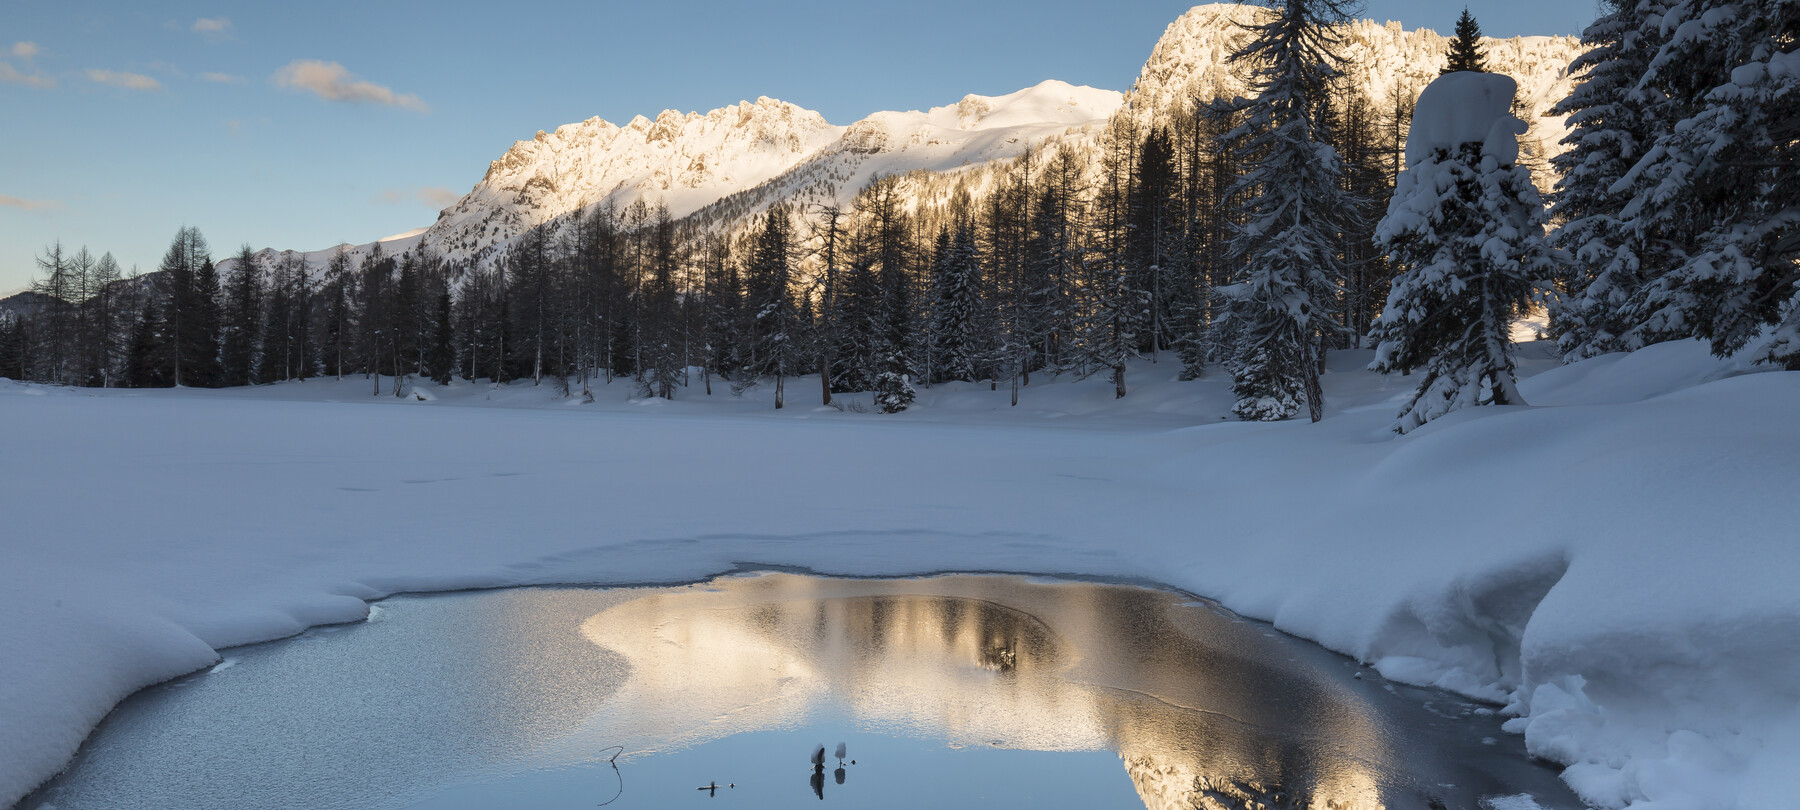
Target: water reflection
[
  {"x": 951, "y": 690},
  {"x": 1202, "y": 710}
]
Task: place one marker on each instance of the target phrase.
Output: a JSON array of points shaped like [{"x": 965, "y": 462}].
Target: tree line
[{"x": 1235, "y": 235}]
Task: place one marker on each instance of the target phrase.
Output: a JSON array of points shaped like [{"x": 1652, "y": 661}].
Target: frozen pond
[{"x": 953, "y": 691}]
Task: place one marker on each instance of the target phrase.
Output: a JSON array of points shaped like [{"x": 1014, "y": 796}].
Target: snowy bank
[{"x": 1617, "y": 562}]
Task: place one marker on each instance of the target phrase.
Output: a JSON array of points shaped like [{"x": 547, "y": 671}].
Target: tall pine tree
[
  {"x": 1465, "y": 48},
  {"x": 1288, "y": 245}
]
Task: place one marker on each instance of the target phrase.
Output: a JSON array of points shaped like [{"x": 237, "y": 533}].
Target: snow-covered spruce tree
[
  {"x": 1465, "y": 228},
  {"x": 1291, "y": 262},
  {"x": 956, "y": 310},
  {"x": 1465, "y": 47},
  {"x": 1724, "y": 180},
  {"x": 893, "y": 392},
  {"x": 1612, "y": 122}
]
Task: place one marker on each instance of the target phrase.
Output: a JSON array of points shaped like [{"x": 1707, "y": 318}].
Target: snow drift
[{"x": 1616, "y": 563}]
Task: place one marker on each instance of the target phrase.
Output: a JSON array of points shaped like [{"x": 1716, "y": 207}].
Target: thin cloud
[
  {"x": 8, "y": 201},
  {"x": 438, "y": 198},
  {"x": 222, "y": 78},
  {"x": 26, "y": 51},
  {"x": 330, "y": 81},
  {"x": 121, "y": 79},
  {"x": 11, "y": 75},
  {"x": 215, "y": 29},
  {"x": 433, "y": 197}
]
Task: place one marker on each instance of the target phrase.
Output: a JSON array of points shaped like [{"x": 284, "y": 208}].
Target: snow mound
[{"x": 1466, "y": 107}]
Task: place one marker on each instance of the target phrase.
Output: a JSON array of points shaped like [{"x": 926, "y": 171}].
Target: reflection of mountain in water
[{"x": 1198, "y": 706}]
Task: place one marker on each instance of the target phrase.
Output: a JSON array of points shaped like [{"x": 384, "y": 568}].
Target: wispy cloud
[
  {"x": 11, "y": 75},
  {"x": 433, "y": 197},
  {"x": 214, "y": 29},
  {"x": 8, "y": 201},
  {"x": 330, "y": 81},
  {"x": 222, "y": 78},
  {"x": 121, "y": 79},
  {"x": 168, "y": 69},
  {"x": 26, "y": 50}
]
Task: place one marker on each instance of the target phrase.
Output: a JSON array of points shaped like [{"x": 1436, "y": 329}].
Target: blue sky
[{"x": 300, "y": 125}]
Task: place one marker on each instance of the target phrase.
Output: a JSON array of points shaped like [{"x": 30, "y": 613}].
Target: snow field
[{"x": 1615, "y": 563}]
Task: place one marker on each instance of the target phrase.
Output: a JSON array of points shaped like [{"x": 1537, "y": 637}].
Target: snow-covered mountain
[
  {"x": 976, "y": 131},
  {"x": 774, "y": 150},
  {"x": 683, "y": 160},
  {"x": 719, "y": 168}
]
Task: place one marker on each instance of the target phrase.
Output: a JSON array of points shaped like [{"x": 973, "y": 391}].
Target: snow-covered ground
[{"x": 1617, "y": 562}]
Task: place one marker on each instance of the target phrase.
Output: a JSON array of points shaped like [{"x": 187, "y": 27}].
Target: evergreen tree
[
  {"x": 1357, "y": 140},
  {"x": 12, "y": 347},
  {"x": 149, "y": 360},
  {"x": 1056, "y": 258},
  {"x": 1466, "y": 229},
  {"x": 301, "y": 299},
  {"x": 533, "y": 288},
  {"x": 661, "y": 330},
  {"x": 1288, "y": 246},
  {"x": 277, "y": 359},
  {"x": 201, "y": 342},
  {"x": 375, "y": 316},
  {"x": 956, "y": 314},
  {"x": 1112, "y": 308},
  {"x": 829, "y": 233},
  {"x": 890, "y": 231},
  {"x": 893, "y": 391},
  {"x": 190, "y": 289},
  {"x": 242, "y": 321},
  {"x": 1612, "y": 123},
  {"x": 859, "y": 330},
  {"x": 411, "y": 319},
  {"x": 1721, "y": 182},
  {"x": 1465, "y": 47},
  {"x": 773, "y": 327},
  {"x": 441, "y": 362},
  {"x": 106, "y": 320},
  {"x": 1153, "y": 243},
  {"x": 339, "y": 339}
]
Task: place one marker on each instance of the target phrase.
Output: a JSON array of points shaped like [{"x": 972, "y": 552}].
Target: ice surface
[{"x": 1617, "y": 563}]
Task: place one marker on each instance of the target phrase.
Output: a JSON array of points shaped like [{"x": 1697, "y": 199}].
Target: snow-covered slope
[
  {"x": 318, "y": 259},
  {"x": 1616, "y": 562},
  {"x": 974, "y": 131}
]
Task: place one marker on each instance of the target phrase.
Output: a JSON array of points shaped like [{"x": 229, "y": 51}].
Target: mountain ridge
[{"x": 719, "y": 168}]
